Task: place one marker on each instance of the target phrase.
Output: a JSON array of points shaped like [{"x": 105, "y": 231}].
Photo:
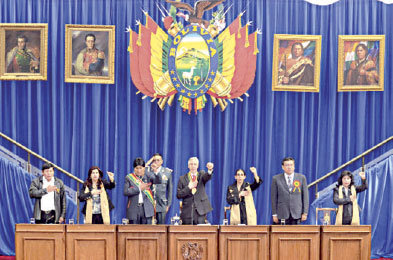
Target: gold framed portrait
[
  {"x": 296, "y": 62},
  {"x": 24, "y": 51},
  {"x": 361, "y": 62},
  {"x": 90, "y": 53}
]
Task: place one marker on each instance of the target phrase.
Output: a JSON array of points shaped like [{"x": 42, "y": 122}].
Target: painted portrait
[
  {"x": 361, "y": 60},
  {"x": 90, "y": 54},
  {"x": 25, "y": 51},
  {"x": 296, "y": 62}
]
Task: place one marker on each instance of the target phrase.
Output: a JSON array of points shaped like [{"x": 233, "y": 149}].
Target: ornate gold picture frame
[
  {"x": 24, "y": 51},
  {"x": 361, "y": 62},
  {"x": 90, "y": 53},
  {"x": 296, "y": 62}
]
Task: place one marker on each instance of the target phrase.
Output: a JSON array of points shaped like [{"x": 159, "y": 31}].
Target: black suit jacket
[{"x": 199, "y": 199}]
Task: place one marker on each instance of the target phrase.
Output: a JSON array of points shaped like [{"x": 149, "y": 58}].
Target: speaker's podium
[
  {"x": 39, "y": 241},
  {"x": 244, "y": 242},
  {"x": 142, "y": 242},
  {"x": 295, "y": 242},
  {"x": 346, "y": 242},
  {"x": 193, "y": 242},
  {"x": 91, "y": 241}
]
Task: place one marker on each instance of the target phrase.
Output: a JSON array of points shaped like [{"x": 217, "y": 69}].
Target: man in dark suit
[
  {"x": 162, "y": 192},
  {"x": 140, "y": 206},
  {"x": 191, "y": 189},
  {"x": 289, "y": 195},
  {"x": 50, "y": 197}
]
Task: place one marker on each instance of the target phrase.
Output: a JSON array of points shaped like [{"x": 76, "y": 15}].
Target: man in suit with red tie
[{"x": 191, "y": 189}]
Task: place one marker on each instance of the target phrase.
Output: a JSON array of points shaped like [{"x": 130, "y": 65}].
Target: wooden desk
[
  {"x": 295, "y": 242},
  {"x": 39, "y": 241},
  {"x": 142, "y": 242},
  {"x": 188, "y": 241},
  {"x": 346, "y": 242},
  {"x": 91, "y": 241},
  {"x": 244, "y": 242}
]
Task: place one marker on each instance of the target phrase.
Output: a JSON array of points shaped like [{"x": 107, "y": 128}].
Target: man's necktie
[
  {"x": 193, "y": 178},
  {"x": 289, "y": 183}
]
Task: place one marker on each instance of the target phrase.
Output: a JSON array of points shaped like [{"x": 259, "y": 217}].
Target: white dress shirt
[{"x": 48, "y": 200}]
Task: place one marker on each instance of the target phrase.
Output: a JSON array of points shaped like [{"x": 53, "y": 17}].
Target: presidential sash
[{"x": 137, "y": 182}]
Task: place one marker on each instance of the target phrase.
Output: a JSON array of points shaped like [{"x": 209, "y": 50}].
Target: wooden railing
[
  {"x": 361, "y": 156},
  {"x": 31, "y": 153}
]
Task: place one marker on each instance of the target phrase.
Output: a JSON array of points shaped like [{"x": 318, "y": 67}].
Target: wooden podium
[
  {"x": 193, "y": 242},
  {"x": 91, "y": 242},
  {"x": 295, "y": 242},
  {"x": 346, "y": 242},
  {"x": 39, "y": 241},
  {"x": 244, "y": 242},
  {"x": 142, "y": 242}
]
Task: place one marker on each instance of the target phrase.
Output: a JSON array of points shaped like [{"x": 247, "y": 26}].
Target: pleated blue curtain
[
  {"x": 79, "y": 125},
  {"x": 374, "y": 204},
  {"x": 16, "y": 205}
]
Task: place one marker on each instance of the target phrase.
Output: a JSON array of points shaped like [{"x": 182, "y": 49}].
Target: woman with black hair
[
  {"x": 345, "y": 196},
  {"x": 239, "y": 196},
  {"x": 98, "y": 204}
]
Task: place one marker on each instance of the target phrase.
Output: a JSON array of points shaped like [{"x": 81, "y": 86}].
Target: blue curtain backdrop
[
  {"x": 79, "y": 125},
  {"x": 16, "y": 205},
  {"x": 375, "y": 204}
]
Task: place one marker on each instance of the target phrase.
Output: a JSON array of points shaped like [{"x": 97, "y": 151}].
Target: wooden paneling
[
  {"x": 295, "y": 242},
  {"x": 244, "y": 242},
  {"x": 185, "y": 242},
  {"x": 91, "y": 242},
  {"x": 142, "y": 242},
  {"x": 346, "y": 242},
  {"x": 39, "y": 241}
]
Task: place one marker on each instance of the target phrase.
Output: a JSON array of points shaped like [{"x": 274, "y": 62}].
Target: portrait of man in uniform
[
  {"x": 90, "y": 53},
  {"x": 24, "y": 51}
]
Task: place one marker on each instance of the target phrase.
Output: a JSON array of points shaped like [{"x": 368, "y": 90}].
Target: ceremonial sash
[
  {"x": 137, "y": 182},
  {"x": 193, "y": 191}
]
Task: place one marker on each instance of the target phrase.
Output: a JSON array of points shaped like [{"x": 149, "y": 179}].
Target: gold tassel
[
  {"x": 240, "y": 26},
  {"x": 147, "y": 20},
  {"x": 247, "y": 43},
  {"x": 159, "y": 101},
  {"x": 214, "y": 101},
  {"x": 256, "y": 51},
  {"x": 139, "y": 41},
  {"x": 163, "y": 103},
  {"x": 130, "y": 49},
  {"x": 223, "y": 104},
  {"x": 170, "y": 101}
]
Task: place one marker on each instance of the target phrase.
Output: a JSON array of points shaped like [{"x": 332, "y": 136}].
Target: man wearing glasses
[
  {"x": 163, "y": 191},
  {"x": 289, "y": 195}
]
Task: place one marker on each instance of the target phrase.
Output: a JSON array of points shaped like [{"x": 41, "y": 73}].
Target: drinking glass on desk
[
  {"x": 282, "y": 221},
  {"x": 32, "y": 220},
  {"x": 225, "y": 222},
  {"x": 124, "y": 221},
  {"x": 71, "y": 221}
]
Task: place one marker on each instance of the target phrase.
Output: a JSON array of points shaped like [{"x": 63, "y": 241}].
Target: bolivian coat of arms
[{"x": 193, "y": 58}]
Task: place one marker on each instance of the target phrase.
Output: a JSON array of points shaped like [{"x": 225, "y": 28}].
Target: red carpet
[{"x": 7, "y": 257}]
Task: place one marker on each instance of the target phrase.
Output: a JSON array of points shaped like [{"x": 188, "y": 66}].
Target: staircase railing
[
  {"x": 31, "y": 153},
  {"x": 361, "y": 156}
]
